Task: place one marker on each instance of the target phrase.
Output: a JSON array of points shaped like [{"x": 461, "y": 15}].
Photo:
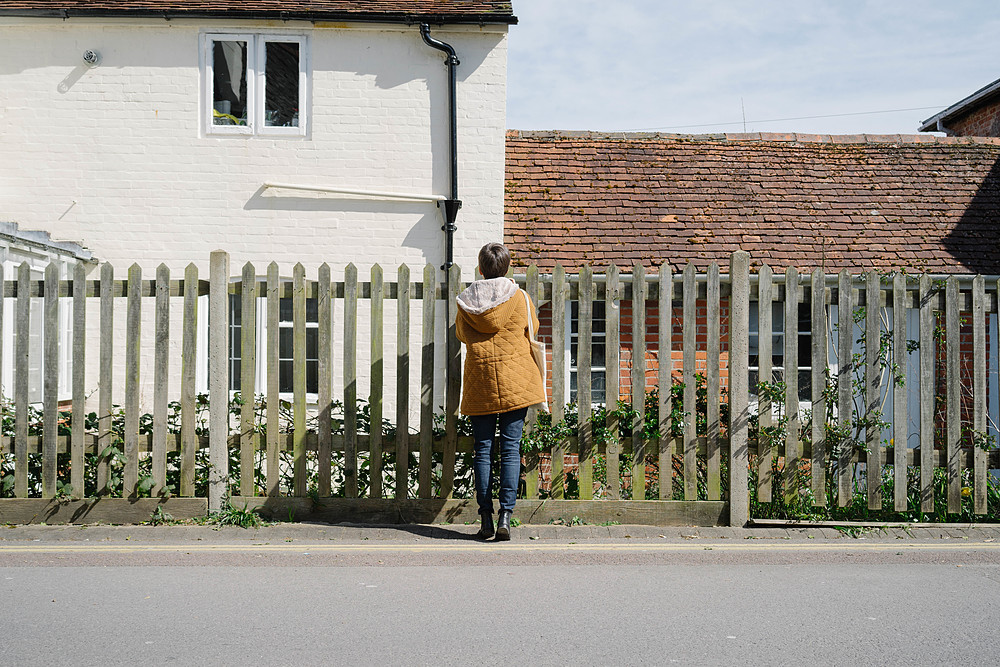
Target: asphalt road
[{"x": 701, "y": 600}]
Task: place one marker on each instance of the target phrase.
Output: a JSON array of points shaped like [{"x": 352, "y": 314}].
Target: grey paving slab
[{"x": 420, "y": 534}]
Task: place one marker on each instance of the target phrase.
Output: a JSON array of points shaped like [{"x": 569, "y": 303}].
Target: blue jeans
[{"x": 484, "y": 432}]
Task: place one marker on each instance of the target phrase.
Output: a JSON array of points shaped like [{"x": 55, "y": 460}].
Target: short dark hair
[{"x": 494, "y": 260}]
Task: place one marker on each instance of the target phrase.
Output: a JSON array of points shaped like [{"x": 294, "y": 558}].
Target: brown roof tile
[
  {"x": 436, "y": 11},
  {"x": 921, "y": 203}
]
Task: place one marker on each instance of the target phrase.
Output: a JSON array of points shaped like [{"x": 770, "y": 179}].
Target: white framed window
[
  {"x": 803, "y": 365},
  {"x": 255, "y": 84},
  {"x": 36, "y": 336},
  {"x": 598, "y": 339},
  {"x": 285, "y": 328}
]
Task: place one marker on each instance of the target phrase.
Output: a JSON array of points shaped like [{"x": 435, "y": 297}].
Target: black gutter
[
  {"x": 283, "y": 15},
  {"x": 452, "y": 204}
]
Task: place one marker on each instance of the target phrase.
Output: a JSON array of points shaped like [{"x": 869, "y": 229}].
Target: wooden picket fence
[{"x": 710, "y": 467}]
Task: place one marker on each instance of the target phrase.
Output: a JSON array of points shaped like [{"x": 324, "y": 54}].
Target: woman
[{"x": 500, "y": 381}]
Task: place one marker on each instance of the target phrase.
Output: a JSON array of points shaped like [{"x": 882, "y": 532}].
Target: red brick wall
[
  {"x": 982, "y": 122},
  {"x": 652, "y": 343}
]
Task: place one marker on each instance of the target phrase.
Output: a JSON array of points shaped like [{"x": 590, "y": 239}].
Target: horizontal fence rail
[{"x": 760, "y": 389}]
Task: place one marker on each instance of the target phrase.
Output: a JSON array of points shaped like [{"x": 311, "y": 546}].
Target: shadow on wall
[
  {"x": 425, "y": 234},
  {"x": 975, "y": 240}
]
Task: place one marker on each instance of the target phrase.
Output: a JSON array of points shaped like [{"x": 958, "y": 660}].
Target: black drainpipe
[{"x": 451, "y": 205}]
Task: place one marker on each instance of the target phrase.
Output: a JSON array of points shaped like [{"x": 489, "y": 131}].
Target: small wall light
[{"x": 91, "y": 58}]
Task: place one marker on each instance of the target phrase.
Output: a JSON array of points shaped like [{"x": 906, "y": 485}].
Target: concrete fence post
[{"x": 739, "y": 348}]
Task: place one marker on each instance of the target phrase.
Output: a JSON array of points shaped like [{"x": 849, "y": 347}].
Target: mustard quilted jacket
[{"x": 500, "y": 375}]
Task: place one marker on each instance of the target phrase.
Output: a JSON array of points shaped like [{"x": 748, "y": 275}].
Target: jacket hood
[
  {"x": 483, "y": 295},
  {"x": 488, "y": 303}
]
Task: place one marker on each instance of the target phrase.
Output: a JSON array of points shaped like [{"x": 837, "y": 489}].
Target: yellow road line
[{"x": 509, "y": 547}]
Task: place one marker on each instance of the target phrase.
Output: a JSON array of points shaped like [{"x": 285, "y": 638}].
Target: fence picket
[
  {"x": 376, "y": 383},
  {"x": 638, "y": 375},
  {"x": 50, "y": 379},
  {"x": 104, "y": 434},
  {"x": 324, "y": 371},
  {"x": 612, "y": 329},
  {"x": 900, "y": 419},
  {"x": 712, "y": 385},
  {"x": 845, "y": 396},
  {"x": 189, "y": 356},
  {"x": 765, "y": 373},
  {"x": 819, "y": 365},
  {"x": 873, "y": 434},
  {"x": 584, "y": 385},
  {"x": 953, "y": 426},
  {"x": 248, "y": 377},
  {"x": 531, "y": 472},
  {"x": 22, "y": 329},
  {"x": 427, "y": 382},
  {"x": 218, "y": 380},
  {"x": 50, "y": 382},
  {"x": 453, "y": 387},
  {"x": 3, "y": 307},
  {"x": 133, "y": 321},
  {"x": 161, "y": 373},
  {"x": 664, "y": 352},
  {"x": 928, "y": 347},
  {"x": 273, "y": 412},
  {"x": 981, "y": 455},
  {"x": 299, "y": 380},
  {"x": 79, "y": 414},
  {"x": 402, "y": 381},
  {"x": 790, "y": 362},
  {"x": 689, "y": 341},
  {"x": 558, "y": 454},
  {"x": 351, "y": 380}
]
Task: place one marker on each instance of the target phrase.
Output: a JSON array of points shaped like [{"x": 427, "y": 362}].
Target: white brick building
[{"x": 147, "y": 132}]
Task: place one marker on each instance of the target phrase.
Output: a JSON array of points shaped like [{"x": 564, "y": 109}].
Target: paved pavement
[{"x": 297, "y": 544}]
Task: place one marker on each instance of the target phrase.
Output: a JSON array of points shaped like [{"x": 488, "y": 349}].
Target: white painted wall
[{"x": 116, "y": 158}]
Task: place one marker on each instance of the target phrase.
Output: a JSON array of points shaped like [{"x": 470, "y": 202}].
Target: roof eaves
[
  {"x": 981, "y": 95},
  {"x": 744, "y": 138},
  {"x": 406, "y": 18}
]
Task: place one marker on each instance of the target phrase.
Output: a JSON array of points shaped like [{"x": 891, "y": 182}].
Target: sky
[{"x": 733, "y": 66}]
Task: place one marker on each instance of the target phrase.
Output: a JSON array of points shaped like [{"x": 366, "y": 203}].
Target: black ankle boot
[
  {"x": 503, "y": 525},
  {"x": 486, "y": 531}
]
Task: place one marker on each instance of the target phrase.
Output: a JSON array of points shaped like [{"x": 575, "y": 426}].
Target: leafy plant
[{"x": 235, "y": 516}]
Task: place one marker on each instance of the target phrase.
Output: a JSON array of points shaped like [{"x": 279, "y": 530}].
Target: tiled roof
[
  {"x": 406, "y": 11},
  {"x": 919, "y": 202}
]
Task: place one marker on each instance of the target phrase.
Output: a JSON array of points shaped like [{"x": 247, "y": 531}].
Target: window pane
[
  {"x": 235, "y": 370},
  {"x": 285, "y": 343},
  {"x": 805, "y": 386},
  {"x": 597, "y": 387},
  {"x": 597, "y": 353},
  {"x": 285, "y": 376},
  {"x": 599, "y": 322},
  {"x": 312, "y": 310},
  {"x": 281, "y": 88},
  {"x": 229, "y": 66},
  {"x": 312, "y": 377},
  {"x": 312, "y": 343},
  {"x": 285, "y": 309},
  {"x": 235, "y": 340}
]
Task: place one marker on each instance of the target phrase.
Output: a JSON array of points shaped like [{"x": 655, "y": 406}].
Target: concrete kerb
[{"x": 423, "y": 534}]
